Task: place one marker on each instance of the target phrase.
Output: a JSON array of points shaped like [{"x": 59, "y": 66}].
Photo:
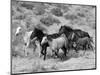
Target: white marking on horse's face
[
  {"x": 18, "y": 30},
  {"x": 74, "y": 44},
  {"x": 44, "y": 40}
]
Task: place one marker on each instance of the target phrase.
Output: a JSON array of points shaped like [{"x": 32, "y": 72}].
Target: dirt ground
[
  {"x": 37, "y": 64},
  {"x": 28, "y": 15}
]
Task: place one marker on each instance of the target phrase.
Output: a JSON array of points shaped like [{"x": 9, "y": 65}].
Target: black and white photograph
[{"x": 52, "y": 37}]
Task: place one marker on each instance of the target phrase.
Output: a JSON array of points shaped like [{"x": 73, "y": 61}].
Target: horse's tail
[
  {"x": 66, "y": 41},
  {"x": 91, "y": 47},
  {"x": 91, "y": 40},
  {"x": 91, "y": 43}
]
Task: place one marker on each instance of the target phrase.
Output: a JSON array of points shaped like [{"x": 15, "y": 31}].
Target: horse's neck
[
  {"x": 63, "y": 36},
  {"x": 50, "y": 43},
  {"x": 28, "y": 33}
]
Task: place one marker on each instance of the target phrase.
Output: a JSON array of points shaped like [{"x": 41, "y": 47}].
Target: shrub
[
  {"x": 57, "y": 12},
  {"x": 49, "y": 20},
  {"x": 28, "y": 6},
  {"x": 20, "y": 17},
  {"x": 12, "y": 12},
  {"x": 56, "y": 21},
  {"x": 19, "y": 9},
  {"x": 70, "y": 17},
  {"x": 65, "y": 8},
  {"x": 39, "y": 11},
  {"x": 81, "y": 14},
  {"x": 14, "y": 53}
]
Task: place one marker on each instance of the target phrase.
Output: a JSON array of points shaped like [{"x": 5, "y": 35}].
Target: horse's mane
[
  {"x": 53, "y": 36},
  {"x": 36, "y": 33},
  {"x": 68, "y": 28}
]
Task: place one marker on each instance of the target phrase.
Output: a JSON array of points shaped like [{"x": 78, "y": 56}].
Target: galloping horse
[
  {"x": 84, "y": 44},
  {"x": 66, "y": 30},
  {"x": 55, "y": 44},
  {"x": 37, "y": 33}
]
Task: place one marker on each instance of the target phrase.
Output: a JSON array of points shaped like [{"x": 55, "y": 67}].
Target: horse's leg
[
  {"x": 64, "y": 50},
  {"x": 56, "y": 53},
  {"x": 91, "y": 47},
  {"x": 45, "y": 52},
  {"x": 39, "y": 50},
  {"x": 25, "y": 49},
  {"x": 76, "y": 49},
  {"x": 84, "y": 48},
  {"x": 42, "y": 53},
  {"x": 53, "y": 52},
  {"x": 25, "y": 52},
  {"x": 67, "y": 49},
  {"x": 84, "y": 52},
  {"x": 35, "y": 46},
  {"x": 26, "y": 46},
  {"x": 42, "y": 49}
]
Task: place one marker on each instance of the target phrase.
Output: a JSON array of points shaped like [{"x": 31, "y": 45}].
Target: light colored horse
[
  {"x": 18, "y": 30},
  {"x": 26, "y": 38},
  {"x": 57, "y": 43},
  {"x": 27, "y": 41}
]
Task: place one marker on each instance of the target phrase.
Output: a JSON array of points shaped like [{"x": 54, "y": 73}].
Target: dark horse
[
  {"x": 73, "y": 34},
  {"x": 81, "y": 33},
  {"x": 77, "y": 34},
  {"x": 66, "y": 30},
  {"x": 38, "y": 34}
]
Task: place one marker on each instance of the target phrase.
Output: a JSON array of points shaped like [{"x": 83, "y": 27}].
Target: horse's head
[
  {"x": 74, "y": 44},
  {"x": 62, "y": 29},
  {"x": 44, "y": 40},
  {"x": 35, "y": 33},
  {"x": 65, "y": 29},
  {"x": 18, "y": 31}
]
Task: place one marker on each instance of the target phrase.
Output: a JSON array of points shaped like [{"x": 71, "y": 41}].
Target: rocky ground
[{"x": 50, "y": 17}]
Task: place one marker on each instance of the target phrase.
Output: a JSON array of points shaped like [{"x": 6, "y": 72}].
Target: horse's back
[
  {"x": 59, "y": 42},
  {"x": 83, "y": 39},
  {"x": 81, "y": 33}
]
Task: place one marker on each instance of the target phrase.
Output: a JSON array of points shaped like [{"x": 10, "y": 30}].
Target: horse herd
[{"x": 66, "y": 39}]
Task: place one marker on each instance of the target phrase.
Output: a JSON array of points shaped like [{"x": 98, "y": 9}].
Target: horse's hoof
[{"x": 44, "y": 59}]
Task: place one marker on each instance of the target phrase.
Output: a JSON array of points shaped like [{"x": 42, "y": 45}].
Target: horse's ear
[{"x": 91, "y": 38}]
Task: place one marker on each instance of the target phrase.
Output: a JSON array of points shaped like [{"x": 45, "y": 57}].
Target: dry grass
[{"x": 37, "y": 64}]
